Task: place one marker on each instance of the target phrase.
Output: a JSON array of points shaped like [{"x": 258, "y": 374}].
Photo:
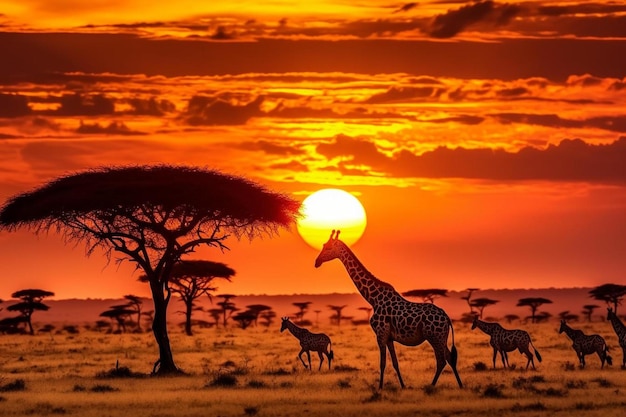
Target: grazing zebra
[
  {"x": 317, "y": 342},
  {"x": 395, "y": 319},
  {"x": 587, "y": 344},
  {"x": 503, "y": 341},
  {"x": 620, "y": 331}
]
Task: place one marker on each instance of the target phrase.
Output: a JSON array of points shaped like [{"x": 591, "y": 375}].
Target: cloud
[
  {"x": 151, "y": 106},
  {"x": 455, "y": 21},
  {"x": 610, "y": 123},
  {"x": 405, "y": 8},
  {"x": 269, "y": 148},
  {"x": 85, "y": 105},
  {"x": 404, "y": 94},
  {"x": 211, "y": 111},
  {"x": 114, "y": 128},
  {"x": 14, "y": 105},
  {"x": 570, "y": 160}
]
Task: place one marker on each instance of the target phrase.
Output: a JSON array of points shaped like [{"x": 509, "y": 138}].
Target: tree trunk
[
  {"x": 189, "y": 306},
  {"x": 165, "y": 364}
]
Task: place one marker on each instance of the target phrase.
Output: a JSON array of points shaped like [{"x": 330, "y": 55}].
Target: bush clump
[{"x": 16, "y": 385}]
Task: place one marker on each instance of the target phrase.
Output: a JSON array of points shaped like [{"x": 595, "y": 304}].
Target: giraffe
[
  {"x": 504, "y": 340},
  {"x": 620, "y": 331},
  {"x": 317, "y": 342},
  {"x": 587, "y": 344},
  {"x": 394, "y": 318}
]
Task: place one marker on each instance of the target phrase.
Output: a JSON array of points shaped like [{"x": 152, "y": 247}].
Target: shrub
[
  {"x": 251, "y": 411},
  {"x": 344, "y": 383},
  {"x": 119, "y": 372},
  {"x": 255, "y": 383},
  {"x": 493, "y": 391},
  {"x": 538, "y": 406},
  {"x": 223, "y": 380},
  {"x": 429, "y": 389},
  {"x": 79, "y": 388},
  {"x": 17, "y": 385},
  {"x": 480, "y": 366},
  {"x": 103, "y": 388}
]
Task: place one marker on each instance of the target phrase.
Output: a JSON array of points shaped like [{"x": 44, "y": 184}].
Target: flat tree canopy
[{"x": 153, "y": 215}]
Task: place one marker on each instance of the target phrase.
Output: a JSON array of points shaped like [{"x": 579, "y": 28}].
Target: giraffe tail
[
  {"x": 536, "y": 352},
  {"x": 453, "y": 352}
]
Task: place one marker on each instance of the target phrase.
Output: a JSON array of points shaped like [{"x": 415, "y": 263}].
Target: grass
[{"x": 256, "y": 373}]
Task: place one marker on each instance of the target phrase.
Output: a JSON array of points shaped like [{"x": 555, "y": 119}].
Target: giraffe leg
[
  {"x": 308, "y": 355},
  {"x": 452, "y": 362},
  {"x": 319, "y": 352},
  {"x": 495, "y": 354},
  {"x": 624, "y": 357},
  {"x": 383, "y": 361},
  {"x": 300, "y": 357},
  {"x": 394, "y": 361},
  {"x": 503, "y": 356},
  {"x": 440, "y": 356}
]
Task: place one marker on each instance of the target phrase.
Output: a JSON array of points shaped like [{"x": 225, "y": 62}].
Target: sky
[{"x": 485, "y": 140}]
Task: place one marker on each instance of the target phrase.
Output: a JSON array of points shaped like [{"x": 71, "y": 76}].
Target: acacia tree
[
  {"x": 227, "y": 306},
  {"x": 30, "y": 301},
  {"x": 481, "y": 304},
  {"x": 427, "y": 295},
  {"x": 338, "y": 310},
  {"x": 152, "y": 216},
  {"x": 534, "y": 303},
  {"x": 255, "y": 310},
  {"x": 121, "y": 314},
  {"x": 468, "y": 299},
  {"x": 135, "y": 303},
  {"x": 588, "y": 310},
  {"x": 303, "y": 306},
  {"x": 191, "y": 280},
  {"x": 612, "y": 294}
]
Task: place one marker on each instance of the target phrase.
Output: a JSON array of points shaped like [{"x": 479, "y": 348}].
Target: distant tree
[
  {"x": 216, "y": 314},
  {"x": 191, "y": 280},
  {"x": 588, "y": 310},
  {"x": 567, "y": 316},
  {"x": 135, "y": 303},
  {"x": 227, "y": 306},
  {"x": 427, "y": 295},
  {"x": 244, "y": 319},
  {"x": 102, "y": 325},
  {"x": 120, "y": 314},
  {"x": 368, "y": 312},
  {"x": 303, "y": 306},
  {"x": 468, "y": 299},
  {"x": 12, "y": 325},
  {"x": 612, "y": 294},
  {"x": 534, "y": 303},
  {"x": 268, "y": 317},
  {"x": 256, "y": 309},
  {"x": 338, "y": 310},
  {"x": 153, "y": 216},
  {"x": 30, "y": 301},
  {"x": 510, "y": 317},
  {"x": 317, "y": 317},
  {"x": 1, "y": 303},
  {"x": 481, "y": 303}
]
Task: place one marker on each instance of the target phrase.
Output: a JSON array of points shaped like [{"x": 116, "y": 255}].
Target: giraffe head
[
  {"x": 563, "y": 325},
  {"x": 283, "y": 326},
  {"x": 330, "y": 250}
]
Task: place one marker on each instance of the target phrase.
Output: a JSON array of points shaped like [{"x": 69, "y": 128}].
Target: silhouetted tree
[
  {"x": 482, "y": 303},
  {"x": 534, "y": 303},
  {"x": 427, "y": 295},
  {"x": 11, "y": 325},
  {"x": 227, "y": 306},
  {"x": 268, "y": 317},
  {"x": 152, "y": 216},
  {"x": 244, "y": 319},
  {"x": 303, "y": 306},
  {"x": 121, "y": 314},
  {"x": 510, "y": 317},
  {"x": 588, "y": 310},
  {"x": 135, "y": 303},
  {"x": 338, "y": 310},
  {"x": 256, "y": 310},
  {"x": 468, "y": 299},
  {"x": 192, "y": 279},
  {"x": 317, "y": 317},
  {"x": 30, "y": 301},
  {"x": 567, "y": 316},
  {"x": 612, "y": 294},
  {"x": 216, "y": 314},
  {"x": 368, "y": 312}
]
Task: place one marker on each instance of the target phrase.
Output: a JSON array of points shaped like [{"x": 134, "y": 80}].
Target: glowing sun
[{"x": 329, "y": 209}]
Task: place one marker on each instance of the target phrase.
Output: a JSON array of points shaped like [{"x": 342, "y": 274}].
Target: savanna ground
[{"x": 237, "y": 372}]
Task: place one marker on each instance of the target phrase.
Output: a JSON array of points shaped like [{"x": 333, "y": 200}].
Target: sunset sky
[{"x": 486, "y": 140}]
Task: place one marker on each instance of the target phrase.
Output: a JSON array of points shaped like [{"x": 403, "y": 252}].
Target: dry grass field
[{"x": 236, "y": 372}]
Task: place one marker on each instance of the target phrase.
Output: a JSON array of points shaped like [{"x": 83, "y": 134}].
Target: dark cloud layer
[
  {"x": 571, "y": 160},
  {"x": 34, "y": 54},
  {"x": 455, "y": 21}
]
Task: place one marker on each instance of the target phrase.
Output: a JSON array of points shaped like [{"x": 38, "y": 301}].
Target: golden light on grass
[{"x": 329, "y": 209}]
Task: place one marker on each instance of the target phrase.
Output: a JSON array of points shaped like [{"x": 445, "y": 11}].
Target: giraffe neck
[
  {"x": 371, "y": 288},
  {"x": 619, "y": 327},
  {"x": 488, "y": 328},
  {"x": 298, "y": 332}
]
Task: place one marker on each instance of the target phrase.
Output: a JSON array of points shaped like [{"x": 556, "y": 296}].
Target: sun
[{"x": 329, "y": 209}]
